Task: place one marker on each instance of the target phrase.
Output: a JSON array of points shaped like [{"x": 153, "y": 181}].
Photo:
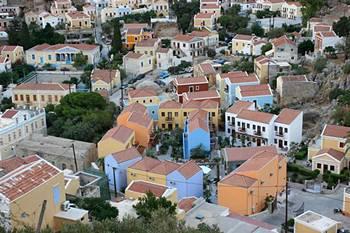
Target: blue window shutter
[{"x": 56, "y": 194}]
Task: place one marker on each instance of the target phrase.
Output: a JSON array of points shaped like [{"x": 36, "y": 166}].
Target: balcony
[
  {"x": 279, "y": 134},
  {"x": 257, "y": 133},
  {"x": 169, "y": 119},
  {"x": 241, "y": 129}
]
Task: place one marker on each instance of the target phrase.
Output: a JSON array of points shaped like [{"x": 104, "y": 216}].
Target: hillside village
[{"x": 191, "y": 116}]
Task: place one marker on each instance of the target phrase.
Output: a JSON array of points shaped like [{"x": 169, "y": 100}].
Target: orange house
[
  {"x": 244, "y": 191},
  {"x": 135, "y": 117},
  {"x": 136, "y": 34}
]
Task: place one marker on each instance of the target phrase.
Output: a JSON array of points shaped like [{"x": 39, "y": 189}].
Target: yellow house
[
  {"x": 29, "y": 185},
  {"x": 137, "y": 189},
  {"x": 329, "y": 160},
  {"x": 242, "y": 44},
  {"x": 143, "y": 96},
  {"x": 261, "y": 68},
  {"x": 161, "y": 7},
  {"x": 13, "y": 52},
  {"x": 346, "y": 201},
  {"x": 311, "y": 222},
  {"x": 78, "y": 20},
  {"x": 40, "y": 94},
  {"x": 140, "y": 170},
  {"x": 148, "y": 47},
  {"x": 204, "y": 20},
  {"x": 173, "y": 114},
  {"x": 104, "y": 79},
  {"x": 116, "y": 139}
]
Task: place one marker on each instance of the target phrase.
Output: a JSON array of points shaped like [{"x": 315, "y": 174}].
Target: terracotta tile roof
[
  {"x": 256, "y": 116},
  {"x": 8, "y": 165},
  {"x": 294, "y": 78},
  {"x": 202, "y": 33},
  {"x": 314, "y": 19},
  {"x": 243, "y": 37},
  {"x": 141, "y": 119},
  {"x": 170, "y": 104},
  {"x": 139, "y": 186},
  {"x": 8, "y": 48},
  {"x": 189, "y": 169},
  {"x": 338, "y": 155},
  {"x": 238, "y": 106},
  {"x": 255, "y": 90},
  {"x": 9, "y": 113},
  {"x": 184, "y": 38},
  {"x": 282, "y": 41},
  {"x": 78, "y": 15},
  {"x": 47, "y": 47},
  {"x": 135, "y": 25},
  {"x": 146, "y": 164},
  {"x": 276, "y": 1},
  {"x": 234, "y": 179},
  {"x": 322, "y": 28},
  {"x": 200, "y": 104},
  {"x": 198, "y": 119},
  {"x": 287, "y": 116},
  {"x": 241, "y": 78},
  {"x": 134, "y": 31},
  {"x": 186, "y": 204},
  {"x": 119, "y": 133},
  {"x": 262, "y": 59},
  {"x": 190, "y": 81},
  {"x": 132, "y": 55},
  {"x": 147, "y": 43},
  {"x": 202, "y": 95},
  {"x": 203, "y": 15},
  {"x": 257, "y": 162},
  {"x": 252, "y": 221},
  {"x": 104, "y": 75},
  {"x": 126, "y": 155},
  {"x": 245, "y": 153},
  {"x": 298, "y": 4},
  {"x": 163, "y": 50},
  {"x": 207, "y": 68},
  {"x": 26, "y": 178},
  {"x": 165, "y": 168},
  {"x": 135, "y": 107},
  {"x": 327, "y": 34},
  {"x": 336, "y": 131},
  {"x": 142, "y": 92},
  {"x": 43, "y": 86},
  {"x": 210, "y": 6}
]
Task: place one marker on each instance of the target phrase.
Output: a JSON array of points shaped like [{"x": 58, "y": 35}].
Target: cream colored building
[
  {"x": 61, "y": 55},
  {"x": 78, "y": 20},
  {"x": 40, "y": 94},
  {"x": 291, "y": 10},
  {"x": 346, "y": 201},
  {"x": 104, "y": 79},
  {"x": 60, "y": 7},
  {"x": 204, "y": 20},
  {"x": 161, "y": 7},
  {"x": 13, "y": 52},
  {"x": 148, "y": 47},
  {"x": 311, "y": 222},
  {"x": 137, "y": 63}
]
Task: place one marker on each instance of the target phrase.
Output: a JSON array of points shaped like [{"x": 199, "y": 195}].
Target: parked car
[
  {"x": 164, "y": 74},
  {"x": 189, "y": 69},
  {"x": 140, "y": 76},
  {"x": 160, "y": 83}
]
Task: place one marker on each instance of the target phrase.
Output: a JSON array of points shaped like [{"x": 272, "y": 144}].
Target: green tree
[
  {"x": 185, "y": 12},
  {"x": 320, "y": 64},
  {"x": 8, "y": 77},
  {"x": 342, "y": 26},
  {"x": 231, "y": 21},
  {"x": 265, "y": 48},
  {"x": 275, "y": 33},
  {"x": 98, "y": 208},
  {"x": 150, "y": 203},
  {"x": 346, "y": 68},
  {"x": 117, "y": 38},
  {"x": 211, "y": 53},
  {"x": 199, "y": 152},
  {"x": 257, "y": 30},
  {"x": 305, "y": 47},
  {"x": 344, "y": 47},
  {"x": 24, "y": 37},
  {"x": 311, "y": 7},
  {"x": 6, "y": 103},
  {"x": 80, "y": 60}
]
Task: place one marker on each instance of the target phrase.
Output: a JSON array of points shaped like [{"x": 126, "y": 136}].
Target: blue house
[
  {"x": 261, "y": 94},
  {"x": 235, "y": 79},
  {"x": 196, "y": 132},
  {"x": 187, "y": 179},
  {"x": 118, "y": 164}
]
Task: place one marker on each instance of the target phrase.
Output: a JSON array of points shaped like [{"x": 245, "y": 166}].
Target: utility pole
[
  {"x": 41, "y": 217},
  {"x": 114, "y": 183},
  {"x": 75, "y": 158},
  {"x": 286, "y": 214}
]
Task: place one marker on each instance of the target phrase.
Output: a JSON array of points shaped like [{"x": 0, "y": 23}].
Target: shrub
[
  {"x": 346, "y": 68},
  {"x": 320, "y": 64}
]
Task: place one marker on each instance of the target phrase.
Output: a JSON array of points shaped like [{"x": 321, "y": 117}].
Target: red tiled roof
[
  {"x": 164, "y": 168},
  {"x": 210, "y": 6},
  {"x": 145, "y": 187},
  {"x": 9, "y": 113},
  {"x": 338, "y": 155},
  {"x": 104, "y": 75},
  {"x": 287, "y": 116},
  {"x": 146, "y": 164},
  {"x": 137, "y": 114},
  {"x": 43, "y": 86},
  {"x": 200, "y": 104},
  {"x": 163, "y": 50},
  {"x": 238, "y": 180},
  {"x": 186, "y": 203},
  {"x": 243, "y": 37},
  {"x": 336, "y": 131},
  {"x": 257, "y": 161},
  {"x": 322, "y": 28},
  {"x": 170, "y": 104},
  {"x": 147, "y": 43},
  {"x": 135, "y": 25},
  {"x": 201, "y": 95},
  {"x": 207, "y": 68},
  {"x": 8, "y": 165},
  {"x": 241, "y": 77},
  {"x": 132, "y": 55},
  {"x": 256, "y": 116},
  {"x": 135, "y": 107},
  {"x": 26, "y": 178},
  {"x": 119, "y": 133},
  {"x": 126, "y": 155},
  {"x": 294, "y": 78},
  {"x": 142, "y": 92},
  {"x": 9, "y": 48},
  {"x": 282, "y": 41},
  {"x": 77, "y": 15},
  {"x": 189, "y": 169},
  {"x": 238, "y": 106},
  {"x": 198, "y": 119},
  {"x": 245, "y": 153},
  {"x": 203, "y": 15},
  {"x": 185, "y": 38},
  {"x": 202, "y": 33},
  {"x": 327, "y": 34},
  {"x": 190, "y": 81},
  {"x": 48, "y": 47},
  {"x": 255, "y": 90},
  {"x": 252, "y": 221},
  {"x": 298, "y": 4}
]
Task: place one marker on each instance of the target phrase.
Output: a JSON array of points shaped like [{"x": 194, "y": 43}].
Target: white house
[
  {"x": 5, "y": 64},
  {"x": 246, "y": 5},
  {"x": 291, "y": 10},
  {"x": 272, "y": 5},
  {"x": 46, "y": 18},
  {"x": 284, "y": 49},
  {"x": 187, "y": 45},
  {"x": 137, "y": 63},
  {"x": 326, "y": 39},
  {"x": 253, "y": 128},
  {"x": 109, "y": 13}
]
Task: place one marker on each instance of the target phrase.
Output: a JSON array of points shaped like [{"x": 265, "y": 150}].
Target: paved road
[
  {"x": 323, "y": 204},
  {"x": 98, "y": 37}
]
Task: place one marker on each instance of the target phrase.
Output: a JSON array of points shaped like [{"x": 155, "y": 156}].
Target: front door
[
  {"x": 280, "y": 143},
  {"x": 258, "y": 142},
  {"x": 170, "y": 126}
]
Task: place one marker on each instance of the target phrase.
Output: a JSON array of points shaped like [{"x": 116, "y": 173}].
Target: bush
[
  {"x": 335, "y": 93},
  {"x": 346, "y": 68},
  {"x": 332, "y": 179},
  {"x": 320, "y": 64},
  {"x": 298, "y": 169}
]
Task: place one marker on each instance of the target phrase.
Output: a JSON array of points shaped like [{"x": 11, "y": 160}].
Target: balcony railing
[
  {"x": 257, "y": 133},
  {"x": 279, "y": 134},
  {"x": 241, "y": 129},
  {"x": 169, "y": 119}
]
